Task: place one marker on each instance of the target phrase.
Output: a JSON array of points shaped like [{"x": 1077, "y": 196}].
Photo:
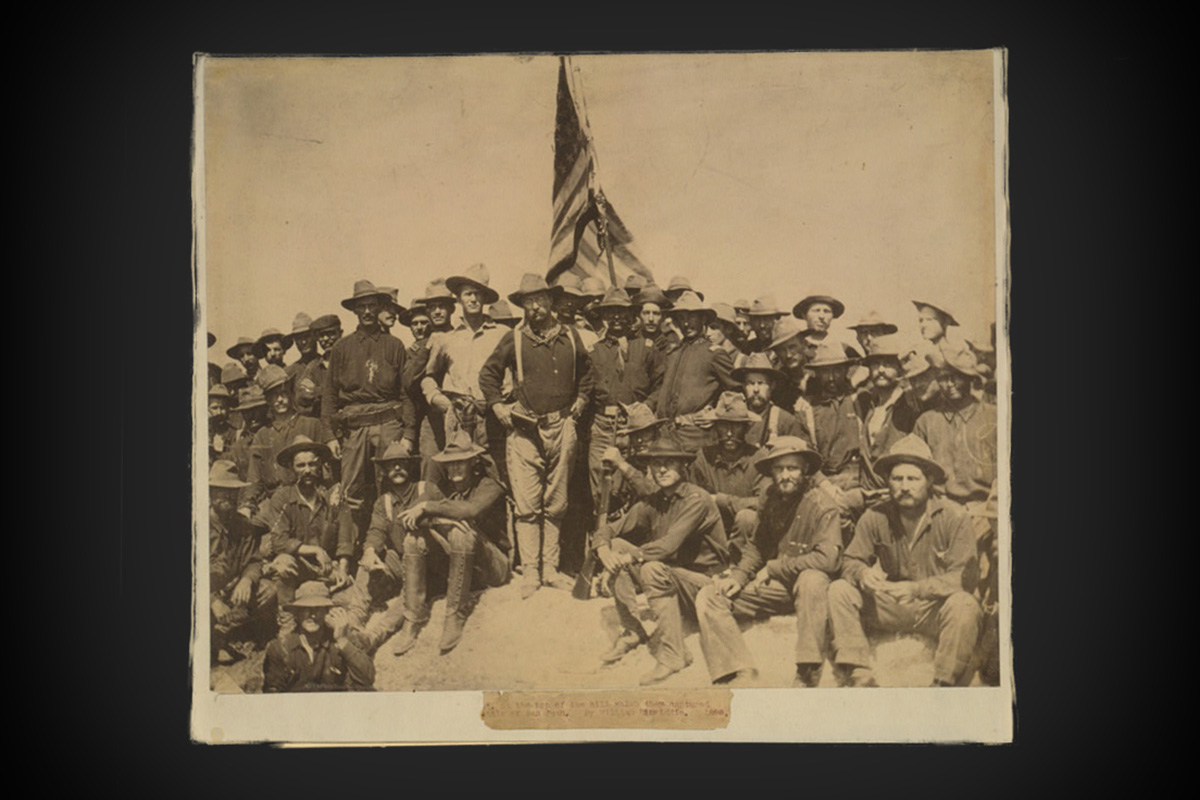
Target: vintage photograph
[{"x": 603, "y": 378}]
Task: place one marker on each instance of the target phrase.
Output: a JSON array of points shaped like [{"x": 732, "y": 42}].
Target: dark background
[{"x": 112, "y": 112}]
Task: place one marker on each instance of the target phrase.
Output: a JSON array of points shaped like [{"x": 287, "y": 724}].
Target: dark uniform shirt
[
  {"x": 232, "y": 553},
  {"x": 384, "y": 531},
  {"x": 695, "y": 376},
  {"x": 631, "y": 378},
  {"x": 298, "y": 524},
  {"x": 898, "y": 421},
  {"x": 794, "y": 533},
  {"x": 964, "y": 443},
  {"x": 368, "y": 368},
  {"x": 836, "y": 436},
  {"x": 288, "y": 667},
  {"x": 681, "y": 527},
  {"x": 265, "y": 475},
  {"x": 732, "y": 481},
  {"x": 482, "y": 505},
  {"x": 776, "y": 421},
  {"x": 556, "y": 380}
]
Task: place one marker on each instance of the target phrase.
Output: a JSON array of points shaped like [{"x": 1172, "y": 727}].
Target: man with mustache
[
  {"x": 759, "y": 379},
  {"x": 761, "y": 316},
  {"x": 438, "y": 307},
  {"x": 725, "y": 469},
  {"x": 325, "y": 330},
  {"x": 908, "y": 569},
  {"x": 220, "y": 432},
  {"x": 243, "y": 353},
  {"x": 252, "y": 410},
  {"x": 835, "y": 427},
  {"x": 789, "y": 556},
  {"x": 887, "y": 412},
  {"x": 310, "y": 659},
  {"x": 653, "y": 303},
  {"x": 271, "y": 346}
]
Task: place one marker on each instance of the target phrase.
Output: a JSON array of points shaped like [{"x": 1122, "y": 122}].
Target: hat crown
[
  {"x": 638, "y": 416},
  {"x": 568, "y": 280},
  {"x": 731, "y": 406},
  {"x": 783, "y": 445},
  {"x": 223, "y": 472},
  {"x": 364, "y": 287},
  {"x": 232, "y": 371},
  {"x": 592, "y": 285},
  {"x": 741, "y": 305},
  {"x": 271, "y": 376},
  {"x": 500, "y": 310},
  {"x": 828, "y": 352},
  {"x": 872, "y": 319},
  {"x": 310, "y": 591},
  {"x": 758, "y": 362},
  {"x": 459, "y": 446},
  {"x": 532, "y": 282},
  {"x": 911, "y": 445},
  {"x": 478, "y": 273},
  {"x": 635, "y": 282},
  {"x": 765, "y": 305},
  {"x": 616, "y": 296},
  {"x": 218, "y": 390},
  {"x": 725, "y": 313},
  {"x": 651, "y": 293},
  {"x": 325, "y": 321},
  {"x": 666, "y": 445},
  {"x": 436, "y": 289},
  {"x": 689, "y": 301},
  {"x": 964, "y": 361},
  {"x": 249, "y": 393},
  {"x": 394, "y": 452},
  {"x": 302, "y": 323},
  {"x": 679, "y": 282},
  {"x": 785, "y": 328}
]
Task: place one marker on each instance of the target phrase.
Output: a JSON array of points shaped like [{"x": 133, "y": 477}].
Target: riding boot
[
  {"x": 458, "y": 593},
  {"x": 416, "y": 607}
]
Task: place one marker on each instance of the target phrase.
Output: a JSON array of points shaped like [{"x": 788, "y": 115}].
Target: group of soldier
[{"x": 723, "y": 462}]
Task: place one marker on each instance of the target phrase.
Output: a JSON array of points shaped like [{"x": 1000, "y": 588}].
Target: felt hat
[
  {"x": 459, "y": 447},
  {"x": 690, "y": 301},
  {"x": 570, "y": 284},
  {"x": 787, "y": 328},
  {"x": 302, "y": 323},
  {"x": 477, "y": 277},
  {"x": 416, "y": 309},
  {"x": 593, "y": 287},
  {"x": 223, "y": 474},
  {"x": 724, "y": 313},
  {"x": 950, "y": 320},
  {"x": 990, "y": 509},
  {"x": 362, "y": 289},
  {"x": 731, "y": 407},
  {"x": 652, "y": 294},
  {"x": 665, "y": 446},
  {"x": 872, "y": 321},
  {"x": 532, "y": 283},
  {"x": 394, "y": 298},
  {"x": 260, "y": 346},
  {"x": 830, "y": 354},
  {"x": 634, "y": 284},
  {"x": 884, "y": 347},
  {"x": 311, "y": 594},
  {"x": 219, "y": 390},
  {"x": 395, "y": 452},
  {"x": 301, "y": 444},
  {"x": 680, "y": 284},
  {"x": 765, "y": 307},
  {"x": 214, "y": 373},
  {"x": 272, "y": 377},
  {"x": 780, "y": 446},
  {"x": 211, "y": 339},
  {"x": 913, "y": 362},
  {"x": 615, "y": 298},
  {"x": 963, "y": 361},
  {"x": 243, "y": 343},
  {"x": 639, "y": 417},
  {"x": 233, "y": 372},
  {"x": 911, "y": 449},
  {"x": 250, "y": 396},
  {"x": 741, "y": 306},
  {"x": 758, "y": 362},
  {"x": 435, "y": 291},
  {"x": 802, "y": 307},
  {"x": 325, "y": 322},
  {"x": 501, "y": 311}
]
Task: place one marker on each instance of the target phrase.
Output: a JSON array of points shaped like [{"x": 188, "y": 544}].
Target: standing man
[
  {"x": 306, "y": 344},
  {"x": 252, "y": 409},
  {"x": 553, "y": 384},
  {"x": 569, "y": 305},
  {"x": 365, "y": 401},
  {"x": 741, "y": 311},
  {"x": 934, "y": 322},
  {"x": 759, "y": 379},
  {"x": 678, "y": 285},
  {"x": 870, "y": 328},
  {"x": 450, "y": 380},
  {"x": 391, "y": 312},
  {"x": 628, "y": 369},
  {"x": 220, "y": 432},
  {"x": 669, "y": 544},
  {"x": 762, "y": 316},
  {"x": 243, "y": 353},
  {"x": 904, "y": 571},
  {"x": 886, "y": 413},
  {"x": 326, "y": 331},
  {"x": 835, "y": 431},
  {"x": 695, "y": 374},
  {"x": 724, "y": 332},
  {"x": 502, "y": 314},
  {"x": 790, "y": 556},
  {"x": 272, "y": 346},
  {"x": 819, "y": 311},
  {"x": 439, "y": 302},
  {"x": 459, "y": 518},
  {"x": 309, "y": 659},
  {"x": 654, "y": 304}
]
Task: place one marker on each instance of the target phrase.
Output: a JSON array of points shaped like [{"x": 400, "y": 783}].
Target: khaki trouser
[
  {"x": 491, "y": 564},
  {"x": 539, "y": 470},
  {"x": 721, "y": 640},
  {"x": 954, "y": 621}
]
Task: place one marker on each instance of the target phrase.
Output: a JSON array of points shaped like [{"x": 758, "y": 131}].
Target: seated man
[
  {"x": 238, "y": 596},
  {"x": 906, "y": 570},
  {"x": 630, "y": 484},
  {"x": 786, "y": 564},
  {"x": 462, "y": 512},
  {"x": 726, "y": 469},
  {"x": 682, "y": 545},
  {"x": 380, "y": 570},
  {"x": 759, "y": 380},
  {"x": 306, "y": 537},
  {"x": 308, "y": 659}
]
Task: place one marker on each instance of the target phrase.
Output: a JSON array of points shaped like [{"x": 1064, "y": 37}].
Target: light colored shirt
[
  {"x": 878, "y": 414},
  {"x": 455, "y": 358}
]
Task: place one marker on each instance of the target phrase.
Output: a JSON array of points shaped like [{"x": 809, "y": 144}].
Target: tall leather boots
[
  {"x": 416, "y": 609},
  {"x": 458, "y": 593}
]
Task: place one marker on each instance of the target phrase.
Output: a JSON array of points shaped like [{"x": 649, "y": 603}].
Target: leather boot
[
  {"x": 550, "y": 553},
  {"x": 458, "y": 595},
  {"x": 416, "y": 609},
  {"x": 529, "y": 548}
]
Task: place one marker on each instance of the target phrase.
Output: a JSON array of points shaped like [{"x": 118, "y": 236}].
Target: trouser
[
  {"x": 490, "y": 564},
  {"x": 372, "y": 587},
  {"x": 360, "y": 482},
  {"x": 466, "y": 417},
  {"x": 259, "y": 611},
  {"x": 604, "y": 436},
  {"x": 721, "y": 640},
  {"x": 668, "y": 591},
  {"x": 954, "y": 621},
  {"x": 539, "y": 469},
  {"x": 431, "y": 438}
]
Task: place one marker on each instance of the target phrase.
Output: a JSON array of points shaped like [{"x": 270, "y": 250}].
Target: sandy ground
[{"x": 552, "y": 642}]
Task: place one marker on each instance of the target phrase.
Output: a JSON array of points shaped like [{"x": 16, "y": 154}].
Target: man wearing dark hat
[
  {"x": 306, "y": 537},
  {"x": 553, "y": 383},
  {"x": 790, "y": 349},
  {"x": 651, "y": 303},
  {"x": 906, "y": 570},
  {"x": 380, "y": 570},
  {"x": 326, "y": 331},
  {"x": 220, "y": 432},
  {"x": 238, "y": 597},
  {"x": 628, "y": 369},
  {"x": 569, "y": 305},
  {"x": 391, "y": 312},
  {"x": 252, "y": 410},
  {"x": 460, "y": 518},
  {"x": 502, "y": 314},
  {"x": 367, "y": 401},
  {"x": 682, "y": 544},
  {"x": 790, "y": 555},
  {"x": 759, "y": 379},
  {"x": 723, "y": 332},
  {"x": 309, "y": 659},
  {"x": 639, "y": 428},
  {"x": 306, "y": 345},
  {"x": 886, "y": 412},
  {"x": 450, "y": 380},
  {"x": 762, "y": 315},
  {"x": 870, "y": 328},
  {"x": 694, "y": 376},
  {"x": 678, "y": 285},
  {"x": 243, "y": 353},
  {"x": 835, "y": 424},
  {"x": 961, "y": 432},
  {"x": 725, "y": 469},
  {"x": 272, "y": 346}
]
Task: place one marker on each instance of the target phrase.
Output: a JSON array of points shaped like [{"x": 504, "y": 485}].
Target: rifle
[{"x": 587, "y": 573}]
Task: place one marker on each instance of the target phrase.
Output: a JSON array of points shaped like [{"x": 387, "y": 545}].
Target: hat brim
[
  {"x": 310, "y": 602},
  {"x": 681, "y": 455},
  {"x": 712, "y": 315},
  {"x": 443, "y": 457},
  {"x": 284, "y": 459},
  {"x": 238, "y": 348},
  {"x": 260, "y": 347},
  {"x": 804, "y": 334},
  {"x": 219, "y": 484},
  {"x": 802, "y": 307},
  {"x": 405, "y": 319},
  {"x": 884, "y": 328},
  {"x": 349, "y": 302},
  {"x": 211, "y": 339},
  {"x": 415, "y": 457},
  {"x": 836, "y": 362},
  {"x": 740, "y": 373},
  {"x": 886, "y": 463},
  {"x": 950, "y": 320},
  {"x": 679, "y": 293},
  {"x": 814, "y": 459},
  {"x": 517, "y": 298},
  {"x": 256, "y": 404},
  {"x": 456, "y": 283},
  {"x": 880, "y": 356},
  {"x": 648, "y": 426}
]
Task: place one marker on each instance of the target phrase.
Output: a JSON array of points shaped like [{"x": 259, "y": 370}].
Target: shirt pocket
[{"x": 794, "y": 549}]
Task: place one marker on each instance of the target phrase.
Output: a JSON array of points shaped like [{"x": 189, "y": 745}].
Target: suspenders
[{"x": 519, "y": 336}]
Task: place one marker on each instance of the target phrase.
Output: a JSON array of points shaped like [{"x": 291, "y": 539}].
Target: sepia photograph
[{"x": 601, "y": 397}]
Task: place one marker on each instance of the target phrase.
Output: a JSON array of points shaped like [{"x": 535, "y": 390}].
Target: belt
[
  {"x": 609, "y": 411},
  {"x": 541, "y": 420},
  {"x": 368, "y": 417}
]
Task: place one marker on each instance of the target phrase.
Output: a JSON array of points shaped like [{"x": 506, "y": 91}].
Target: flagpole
[{"x": 594, "y": 179}]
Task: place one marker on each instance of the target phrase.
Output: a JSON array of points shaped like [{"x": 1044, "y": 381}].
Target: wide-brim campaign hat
[
  {"x": 724, "y": 313},
  {"x": 788, "y": 328},
  {"x": 765, "y": 307},
  {"x": 223, "y": 474},
  {"x": 639, "y": 417},
  {"x": 233, "y": 372},
  {"x": 911, "y": 449},
  {"x": 364, "y": 289},
  {"x": 666, "y": 446},
  {"x": 476, "y": 277},
  {"x": 949, "y": 318},
  {"x": 325, "y": 322},
  {"x": 831, "y": 353},
  {"x": 781, "y": 446},
  {"x": 741, "y": 306},
  {"x": 570, "y": 284},
  {"x": 211, "y": 339},
  {"x": 394, "y": 300},
  {"x": 757, "y": 362},
  {"x": 532, "y": 283},
  {"x": 302, "y": 324},
  {"x": 616, "y": 297},
  {"x": 873, "y": 321},
  {"x": 436, "y": 291},
  {"x": 272, "y": 377},
  {"x": 731, "y": 407},
  {"x": 652, "y": 294},
  {"x": 883, "y": 348},
  {"x": 243, "y": 343},
  {"x": 302, "y": 444},
  {"x": 260, "y": 345},
  {"x": 416, "y": 309},
  {"x": 914, "y": 363},
  {"x": 680, "y": 284},
  {"x": 395, "y": 452},
  {"x": 459, "y": 448},
  {"x": 501, "y": 311},
  {"x": 593, "y": 287},
  {"x": 311, "y": 594},
  {"x": 964, "y": 363},
  {"x": 219, "y": 390},
  {"x": 690, "y": 301},
  {"x": 801, "y": 308},
  {"x": 634, "y": 284},
  {"x": 249, "y": 397}
]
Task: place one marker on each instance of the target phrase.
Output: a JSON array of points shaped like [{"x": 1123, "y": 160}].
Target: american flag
[{"x": 579, "y": 205}]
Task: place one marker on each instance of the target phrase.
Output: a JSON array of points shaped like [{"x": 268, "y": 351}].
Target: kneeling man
[
  {"x": 786, "y": 565},
  {"x": 904, "y": 571},
  {"x": 309, "y": 659}
]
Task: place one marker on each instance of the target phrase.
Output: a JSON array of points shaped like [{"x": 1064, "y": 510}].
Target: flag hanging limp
[{"x": 580, "y": 208}]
